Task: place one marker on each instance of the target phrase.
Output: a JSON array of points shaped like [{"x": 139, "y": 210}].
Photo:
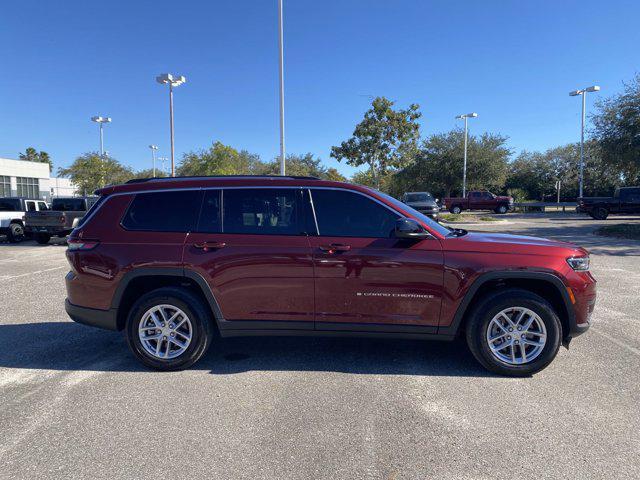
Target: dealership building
[{"x": 19, "y": 178}]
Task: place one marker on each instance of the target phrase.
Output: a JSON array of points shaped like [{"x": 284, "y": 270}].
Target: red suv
[{"x": 176, "y": 261}]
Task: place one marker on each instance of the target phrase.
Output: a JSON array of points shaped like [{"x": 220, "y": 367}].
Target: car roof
[{"x": 170, "y": 183}]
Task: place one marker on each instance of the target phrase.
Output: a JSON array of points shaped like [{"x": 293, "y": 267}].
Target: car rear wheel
[
  {"x": 169, "y": 329},
  {"x": 16, "y": 233},
  {"x": 43, "y": 238},
  {"x": 600, "y": 213},
  {"x": 514, "y": 332},
  {"x": 455, "y": 209}
]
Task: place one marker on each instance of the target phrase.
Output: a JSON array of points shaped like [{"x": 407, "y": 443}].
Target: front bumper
[
  {"x": 106, "y": 319},
  {"x": 429, "y": 212}
]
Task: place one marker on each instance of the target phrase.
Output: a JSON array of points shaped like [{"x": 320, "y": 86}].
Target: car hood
[
  {"x": 422, "y": 204},
  {"x": 504, "y": 199},
  {"x": 506, "y": 243}
]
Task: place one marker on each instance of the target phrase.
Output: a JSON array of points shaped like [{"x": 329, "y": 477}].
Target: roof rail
[{"x": 195, "y": 177}]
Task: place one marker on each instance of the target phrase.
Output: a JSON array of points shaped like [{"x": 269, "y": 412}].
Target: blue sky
[{"x": 513, "y": 62}]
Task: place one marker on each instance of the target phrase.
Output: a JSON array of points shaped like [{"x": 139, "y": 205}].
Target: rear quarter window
[{"x": 163, "y": 211}]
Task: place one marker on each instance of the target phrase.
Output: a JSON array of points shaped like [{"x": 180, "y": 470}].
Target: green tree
[
  {"x": 219, "y": 159},
  {"x": 302, "y": 165},
  {"x": 438, "y": 164},
  {"x": 617, "y": 130},
  {"x": 148, "y": 173},
  {"x": 385, "y": 140},
  {"x": 90, "y": 171},
  {"x": 32, "y": 155},
  {"x": 537, "y": 172}
]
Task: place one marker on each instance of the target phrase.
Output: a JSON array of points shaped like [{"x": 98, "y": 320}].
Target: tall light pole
[
  {"x": 575, "y": 93},
  {"x": 101, "y": 121},
  {"x": 464, "y": 165},
  {"x": 153, "y": 157},
  {"x": 162, "y": 160},
  {"x": 281, "y": 58},
  {"x": 172, "y": 81}
]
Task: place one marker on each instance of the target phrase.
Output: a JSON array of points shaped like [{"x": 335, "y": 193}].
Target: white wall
[
  {"x": 58, "y": 187},
  {"x": 21, "y": 168},
  {"x": 48, "y": 186}
]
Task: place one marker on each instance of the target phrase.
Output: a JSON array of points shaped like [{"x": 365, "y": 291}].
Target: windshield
[
  {"x": 68, "y": 204},
  {"x": 418, "y": 197},
  {"x": 433, "y": 225},
  {"x": 9, "y": 205}
]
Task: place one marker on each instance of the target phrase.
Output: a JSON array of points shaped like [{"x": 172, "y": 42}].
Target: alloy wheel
[
  {"x": 165, "y": 331},
  {"x": 516, "y": 335}
]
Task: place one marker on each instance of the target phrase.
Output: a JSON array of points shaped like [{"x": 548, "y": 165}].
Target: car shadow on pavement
[{"x": 68, "y": 346}]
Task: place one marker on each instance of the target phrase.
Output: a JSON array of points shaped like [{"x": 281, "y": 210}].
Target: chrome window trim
[{"x": 299, "y": 187}]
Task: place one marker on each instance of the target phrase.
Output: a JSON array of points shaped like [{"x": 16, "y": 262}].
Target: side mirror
[{"x": 409, "y": 228}]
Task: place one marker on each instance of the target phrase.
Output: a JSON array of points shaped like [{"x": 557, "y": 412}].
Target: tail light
[
  {"x": 62, "y": 219},
  {"x": 76, "y": 244}
]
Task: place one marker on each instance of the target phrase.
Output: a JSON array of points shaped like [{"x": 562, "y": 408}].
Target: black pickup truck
[{"x": 625, "y": 200}]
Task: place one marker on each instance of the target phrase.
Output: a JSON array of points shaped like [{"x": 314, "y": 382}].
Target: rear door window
[
  {"x": 346, "y": 214},
  {"x": 262, "y": 211},
  {"x": 164, "y": 211},
  {"x": 31, "y": 206}
]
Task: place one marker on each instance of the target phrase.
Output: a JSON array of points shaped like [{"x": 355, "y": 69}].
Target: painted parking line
[
  {"x": 11, "y": 277},
  {"x": 620, "y": 343}
]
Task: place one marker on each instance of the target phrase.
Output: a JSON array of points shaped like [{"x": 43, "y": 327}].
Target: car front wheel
[
  {"x": 514, "y": 332},
  {"x": 502, "y": 209},
  {"x": 169, "y": 329}
]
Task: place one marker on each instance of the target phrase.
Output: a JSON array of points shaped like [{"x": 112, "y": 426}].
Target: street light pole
[
  {"x": 172, "y": 81},
  {"x": 100, "y": 121},
  {"x": 281, "y": 59},
  {"x": 464, "y": 164},
  {"x": 583, "y": 93},
  {"x": 153, "y": 157},
  {"x": 162, "y": 160}
]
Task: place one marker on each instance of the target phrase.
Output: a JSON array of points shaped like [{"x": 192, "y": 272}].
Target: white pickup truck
[{"x": 12, "y": 211}]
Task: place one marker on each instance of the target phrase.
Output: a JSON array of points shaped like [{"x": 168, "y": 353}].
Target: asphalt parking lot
[{"x": 75, "y": 404}]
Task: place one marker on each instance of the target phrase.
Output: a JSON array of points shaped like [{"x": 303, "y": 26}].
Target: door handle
[
  {"x": 206, "y": 246},
  {"x": 335, "y": 247}
]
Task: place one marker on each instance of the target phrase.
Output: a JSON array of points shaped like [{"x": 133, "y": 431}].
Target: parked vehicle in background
[
  {"x": 422, "y": 202},
  {"x": 479, "y": 200},
  {"x": 169, "y": 261},
  {"x": 12, "y": 211},
  {"x": 59, "y": 220},
  {"x": 625, "y": 200}
]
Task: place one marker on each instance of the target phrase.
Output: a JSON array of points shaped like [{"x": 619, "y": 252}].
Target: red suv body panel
[{"x": 309, "y": 281}]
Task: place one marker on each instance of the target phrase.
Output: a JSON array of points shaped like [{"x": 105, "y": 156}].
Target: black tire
[
  {"x": 15, "y": 233},
  {"x": 455, "y": 209},
  {"x": 600, "y": 213},
  {"x": 43, "y": 238},
  {"x": 490, "y": 306},
  {"x": 502, "y": 209},
  {"x": 192, "y": 306}
]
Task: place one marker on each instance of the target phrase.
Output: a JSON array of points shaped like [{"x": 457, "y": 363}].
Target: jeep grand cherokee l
[{"x": 174, "y": 261}]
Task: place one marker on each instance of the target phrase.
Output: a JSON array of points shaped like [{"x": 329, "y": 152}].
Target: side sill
[{"x": 333, "y": 333}]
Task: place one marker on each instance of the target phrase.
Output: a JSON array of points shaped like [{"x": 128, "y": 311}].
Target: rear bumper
[
  {"x": 93, "y": 317},
  {"x": 48, "y": 230}
]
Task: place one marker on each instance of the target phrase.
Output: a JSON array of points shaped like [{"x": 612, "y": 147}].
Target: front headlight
[{"x": 579, "y": 264}]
